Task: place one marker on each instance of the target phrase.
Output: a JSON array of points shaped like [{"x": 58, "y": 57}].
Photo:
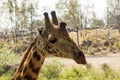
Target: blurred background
[{"x": 93, "y": 24}]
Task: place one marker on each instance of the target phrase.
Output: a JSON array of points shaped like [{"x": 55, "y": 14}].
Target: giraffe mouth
[
  {"x": 80, "y": 58},
  {"x": 80, "y": 61}
]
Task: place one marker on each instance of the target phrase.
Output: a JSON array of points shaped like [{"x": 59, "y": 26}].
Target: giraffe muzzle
[{"x": 80, "y": 58}]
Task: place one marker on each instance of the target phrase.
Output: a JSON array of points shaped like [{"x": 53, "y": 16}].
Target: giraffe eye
[{"x": 52, "y": 40}]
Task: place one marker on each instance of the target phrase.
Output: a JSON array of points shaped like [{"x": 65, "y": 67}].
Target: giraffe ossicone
[{"x": 52, "y": 40}]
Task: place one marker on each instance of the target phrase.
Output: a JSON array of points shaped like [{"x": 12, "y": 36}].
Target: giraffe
[{"x": 53, "y": 40}]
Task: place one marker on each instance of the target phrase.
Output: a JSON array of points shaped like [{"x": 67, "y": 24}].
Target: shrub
[
  {"x": 7, "y": 76},
  {"x": 80, "y": 74},
  {"x": 109, "y": 74},
  {"x": 117, "y": 44},
  {"x": 51, "y": 71},
  {"x": 8, "y": 57},
  {"x": 54, "y": 71}
]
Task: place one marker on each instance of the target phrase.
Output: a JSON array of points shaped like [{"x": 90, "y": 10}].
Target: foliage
[
  {"x": 117, "y": 44},
  {"x": 8, "y": 57},
  {"x": 54, "y": 71},
  {"x": 113, "y": 12},
  {"x": 71, "y": 10},
  {"x": 89, "y": 74},
  {"x": 97, "y": 23},
  {"x": 109, "y": 74},
  {"x": 51, "y": 71},
  {"x": 19, "y": 15},
  {"x": 7, "y": 76}
]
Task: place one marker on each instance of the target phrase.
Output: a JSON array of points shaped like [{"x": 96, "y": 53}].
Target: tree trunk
[
  {"x": 31, "y": 20},
  {"x": 16, "y": 26},
  {"x": 78, "y": 37}
]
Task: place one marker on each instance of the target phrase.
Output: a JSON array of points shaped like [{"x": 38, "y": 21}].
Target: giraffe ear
[{"x": 63, "y": 27}]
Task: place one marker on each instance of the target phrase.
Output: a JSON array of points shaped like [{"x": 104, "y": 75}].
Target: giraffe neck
[
  {"x": 33, "y": 59},
  {"x": 32, "y": 67},
  {"x": 31, "y": 64}
]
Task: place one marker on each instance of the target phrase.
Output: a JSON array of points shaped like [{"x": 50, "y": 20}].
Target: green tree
[
  {"x": 113, "y": 12},
  {"x": 71, "y": 12},
  {"x": 22, "y": 13},
  {"x": 97, "y": 23}
]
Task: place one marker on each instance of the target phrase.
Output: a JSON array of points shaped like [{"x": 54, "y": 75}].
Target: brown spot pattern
[
  {"x": 35, "y": 70},
  {"x": 31, "y": 65},
  {"x": 36, "y": 55},
  {"x": 28, "y": 77}
]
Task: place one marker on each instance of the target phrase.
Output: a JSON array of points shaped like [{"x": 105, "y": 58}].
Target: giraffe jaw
[{"x": 79, "y": 61}]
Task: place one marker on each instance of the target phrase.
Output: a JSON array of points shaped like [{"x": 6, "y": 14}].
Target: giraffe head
[{"x": 59, "y": 38}]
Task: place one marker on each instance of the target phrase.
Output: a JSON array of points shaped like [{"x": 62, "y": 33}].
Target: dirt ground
[{"x": 113, "y": 60}]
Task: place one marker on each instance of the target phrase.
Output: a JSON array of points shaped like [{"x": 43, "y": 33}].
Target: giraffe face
[
  {"x": 67, "y": 47},
  {"x": 59, "y": 38}
]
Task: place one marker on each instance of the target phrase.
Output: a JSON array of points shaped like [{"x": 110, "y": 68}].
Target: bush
[
  {"x": 81, "y": 74},
  {"x": 55, "y": 71},
  {"x": 109, "y": 74},
  {"x": 7, "y": 76},
  {"x": 117, "y": 44},
  {"x": 8, "y": 57},
  {"x": 90, "y": 74},
  {"x": 74, "y": 74},
  {"x": 51, "y": 71}
]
